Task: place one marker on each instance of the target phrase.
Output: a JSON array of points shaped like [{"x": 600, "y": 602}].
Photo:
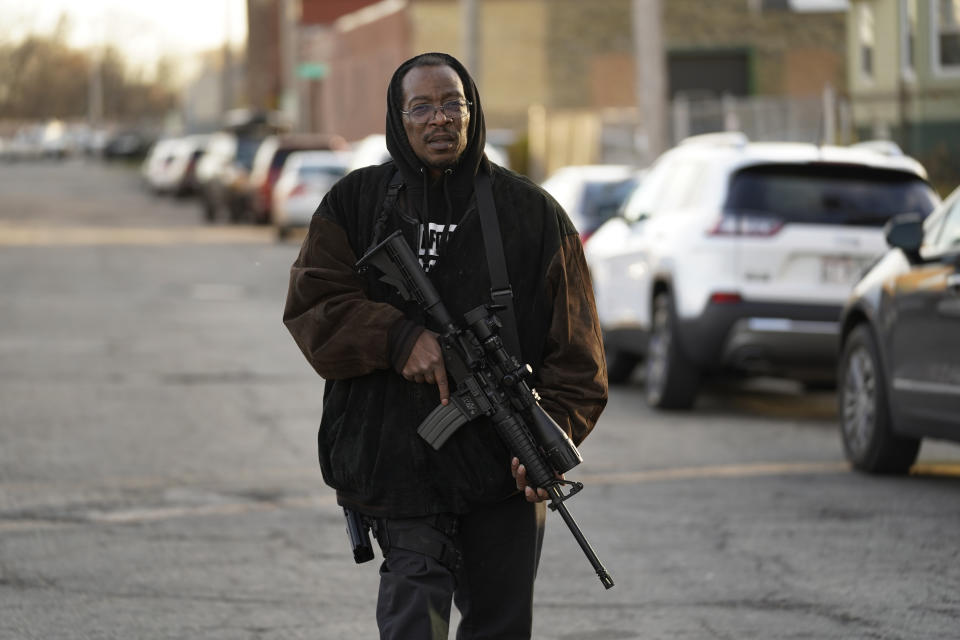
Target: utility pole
[
  {"x": 289, "y": 58},
  {"x": 226, "y": 77},
  {"x": 470, "y": 30},
  {"x": 95, "y": 81},
  {"x": 95, "y": 90},
  {"x": 651, "y": 73}
]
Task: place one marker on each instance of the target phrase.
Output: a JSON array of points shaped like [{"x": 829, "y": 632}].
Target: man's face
[{"x": 441, "y": 140}]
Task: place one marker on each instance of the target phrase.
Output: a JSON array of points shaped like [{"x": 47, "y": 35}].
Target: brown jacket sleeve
[
  {"x": 342, "y": 333},
  {"x": 573, "y": 375}
]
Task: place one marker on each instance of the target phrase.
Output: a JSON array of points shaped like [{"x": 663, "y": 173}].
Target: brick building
[
  {"x": 561, "y": 55},
  {"x": 741, "y": 48}
]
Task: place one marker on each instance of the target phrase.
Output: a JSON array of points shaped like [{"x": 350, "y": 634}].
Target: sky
[{"x": 143, "y": 29}]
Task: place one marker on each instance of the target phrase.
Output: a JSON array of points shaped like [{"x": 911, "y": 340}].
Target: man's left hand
[{"x": 520, "y": 475}]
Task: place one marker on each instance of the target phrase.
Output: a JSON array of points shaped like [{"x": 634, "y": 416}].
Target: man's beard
[{"x": 443, "y": 166}]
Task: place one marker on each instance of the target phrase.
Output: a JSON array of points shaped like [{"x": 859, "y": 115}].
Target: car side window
[
  {"x": 944, "y": 238},
  {"x": 683, "y": 187},
  {"x": 644, "y": 200}
]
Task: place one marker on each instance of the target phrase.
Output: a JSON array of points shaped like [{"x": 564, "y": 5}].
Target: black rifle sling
[
  {"x": 393, "y": 190},
  {"x": 500, "y": 289}
]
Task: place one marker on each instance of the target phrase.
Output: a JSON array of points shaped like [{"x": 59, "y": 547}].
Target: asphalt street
[{"x": 158, "y": 474}]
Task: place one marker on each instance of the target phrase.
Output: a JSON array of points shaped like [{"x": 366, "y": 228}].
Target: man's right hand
[{"x": 425, "y": 364}]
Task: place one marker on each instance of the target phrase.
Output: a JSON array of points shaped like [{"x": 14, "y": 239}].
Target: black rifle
[{"x": 488, "y": 381}]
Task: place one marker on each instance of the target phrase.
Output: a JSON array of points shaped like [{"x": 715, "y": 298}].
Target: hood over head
[{"x": 459, "y": 179}]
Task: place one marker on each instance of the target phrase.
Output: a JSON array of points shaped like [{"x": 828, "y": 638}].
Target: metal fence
[
  {"x": 815, "y": 119},
  {"x": 564, "y": 137}
]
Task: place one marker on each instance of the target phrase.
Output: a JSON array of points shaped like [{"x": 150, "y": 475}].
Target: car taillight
[
  {"x": 725, "y": 297},
  {"x": 266, "y": 187},
  {"x": 755, "y": 226},
  {"x": 299, "y": 190}
]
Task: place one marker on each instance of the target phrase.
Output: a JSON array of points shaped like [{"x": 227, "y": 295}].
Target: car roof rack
[
  {"x": 884, "y": 147},
  {"x": 718, "y": 139}
]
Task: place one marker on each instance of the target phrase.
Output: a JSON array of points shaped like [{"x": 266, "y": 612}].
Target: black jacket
[{"x": 357, "y": 332}]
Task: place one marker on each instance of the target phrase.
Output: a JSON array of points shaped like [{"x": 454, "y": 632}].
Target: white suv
[{"x": 739, "y": 256}]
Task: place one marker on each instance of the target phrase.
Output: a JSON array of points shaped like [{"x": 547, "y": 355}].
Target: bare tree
[{"x": 42, "y": 77}]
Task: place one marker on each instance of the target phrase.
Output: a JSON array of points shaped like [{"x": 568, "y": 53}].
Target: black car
[{"x": 899, "y": 371}]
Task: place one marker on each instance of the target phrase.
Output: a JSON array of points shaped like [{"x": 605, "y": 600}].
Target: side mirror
[{"x": 905, "y": 231}]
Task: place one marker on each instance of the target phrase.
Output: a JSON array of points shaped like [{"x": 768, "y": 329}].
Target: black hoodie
[
  {"x": 459, "y": 182},
  {"x": 357, "y": 332}
]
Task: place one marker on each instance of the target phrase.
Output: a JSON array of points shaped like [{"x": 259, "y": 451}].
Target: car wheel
[
  {"x": 209, "y": 211},
  {"x": 236, "y": 214},
  {"x": 865, "y": 423},
  {"x": 620, "y": 365},
  {"x": 209, "y": 204},
  {"x": 671, "y": 379}
]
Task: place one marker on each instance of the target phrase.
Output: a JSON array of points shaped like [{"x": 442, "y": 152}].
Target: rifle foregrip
[{"x": 517, "y": 438}]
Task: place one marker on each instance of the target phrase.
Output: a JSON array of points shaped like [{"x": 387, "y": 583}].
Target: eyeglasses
[{"x": 424, "y": 113}]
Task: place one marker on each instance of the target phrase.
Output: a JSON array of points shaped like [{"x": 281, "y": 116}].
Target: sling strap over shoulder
[
  {"x": 500, "y": 290},
  {"x": 389, "y": 201}
]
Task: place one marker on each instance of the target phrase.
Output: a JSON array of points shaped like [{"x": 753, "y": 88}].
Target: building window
[
  {"x": 947, "y": 41},
  {"x": 866, "y": 40},
  {"x": 908, "y": 38}
]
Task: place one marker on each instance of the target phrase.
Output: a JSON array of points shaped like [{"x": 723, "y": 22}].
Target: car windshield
[
  {"x": 320, "y": 171},
  {"x": 601, "y": 200},
  {"x": 828, "y": 194},
  {"x": 246, "y": 150},
  {"x": 276, "y": 163}
]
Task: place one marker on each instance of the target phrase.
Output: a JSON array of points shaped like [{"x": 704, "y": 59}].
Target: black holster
[
  {"x": 432, "y": 536},
  {"x": 358, "y": 530}
]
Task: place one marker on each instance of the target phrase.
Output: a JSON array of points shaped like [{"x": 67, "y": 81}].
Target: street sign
[{"x": 312, "y": 70}]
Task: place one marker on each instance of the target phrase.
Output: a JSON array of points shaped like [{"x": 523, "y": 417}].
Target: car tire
[
  {"x": 672, "y": 381},
  {"x": 620, "y": 365},
  {"x": 866, "y": 427},
  {"x": 209, "y": 207},
  {"x": 209, "y": 212}
]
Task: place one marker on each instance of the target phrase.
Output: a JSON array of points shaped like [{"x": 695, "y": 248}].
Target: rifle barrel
[{"x": 557, "y": 497}]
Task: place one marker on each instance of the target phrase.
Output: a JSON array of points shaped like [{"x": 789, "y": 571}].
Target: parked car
[
  {"x": 157, "y": 156},
  {"x": 899, "y": 372},
  {"x": 24, "y": 145},
  {"x": 170, "y": 165},
  {"x": 304, "y": 181},
  {"x": 733, "y": 255},
  {"x": 55, "y": 141},
  {"x": 591, "y": 194},
  {"x": 371, "y": 150},
  {"x": 222, "y": 174},
  {"x": 269, "y": 161},
  {"x": 128, "y": 145}
]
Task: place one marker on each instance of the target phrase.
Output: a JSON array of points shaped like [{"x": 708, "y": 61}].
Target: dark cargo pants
[{"x": 485, "y": 561}]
